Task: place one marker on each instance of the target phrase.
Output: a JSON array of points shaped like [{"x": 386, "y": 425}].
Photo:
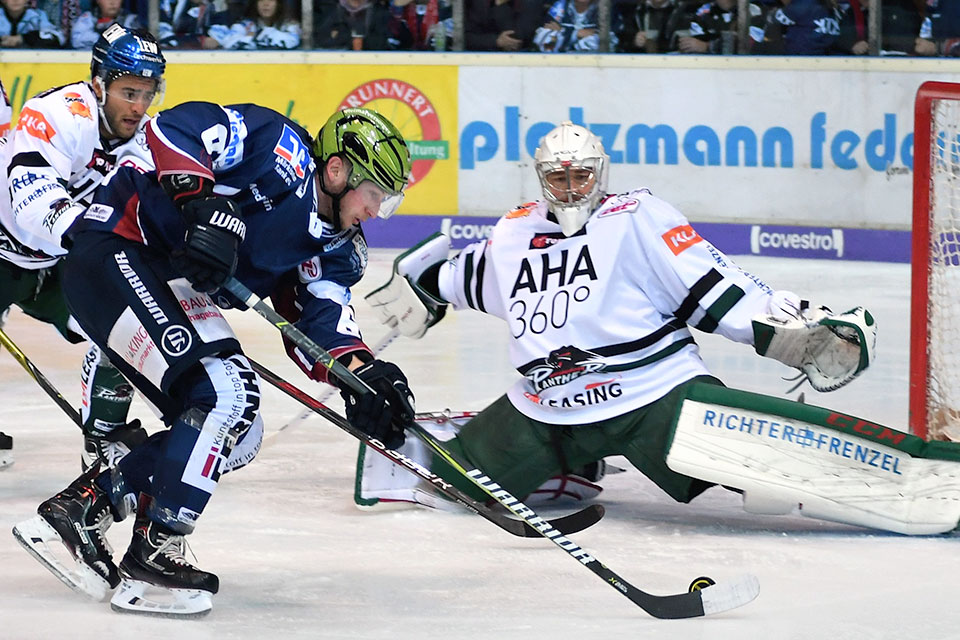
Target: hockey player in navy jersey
[
  {"x": 600, "y": 292},
  {"x": 238, "y": 190},
  {"x": 66, "y": 141}
]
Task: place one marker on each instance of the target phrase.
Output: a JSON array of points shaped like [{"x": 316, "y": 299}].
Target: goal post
[{"x": 935, "y": 271}]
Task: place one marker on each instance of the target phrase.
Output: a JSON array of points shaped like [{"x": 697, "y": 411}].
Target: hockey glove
[
  {"x": 411, "y": 298},
  {"x": 215, "y": 229},
  {"x": 829, "y": 349},
  {"x": 385, "y": 413}
]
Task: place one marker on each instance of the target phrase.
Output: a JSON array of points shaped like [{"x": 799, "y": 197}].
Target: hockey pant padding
[
  {"x": 219, "y": 430},
  {"x": 518, "y": 452},
  {"x": 144, "y": 316}
]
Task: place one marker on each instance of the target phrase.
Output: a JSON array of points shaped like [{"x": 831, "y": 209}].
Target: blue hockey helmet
[{"x": 120, "y": 52}]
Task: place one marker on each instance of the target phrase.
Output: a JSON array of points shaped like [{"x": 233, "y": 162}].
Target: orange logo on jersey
[
  {"x": 680, "y": 238},
  {"x": 33, "y": 123},
  {"x": 521, "y": 211},
  {"x": 76, "y": 105}
]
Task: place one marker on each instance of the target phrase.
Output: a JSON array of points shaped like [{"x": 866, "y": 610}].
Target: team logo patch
[
  {"x": 679, "y": 239},
  {"x": 176, "y": 340},
  {"x": 35, "y": 124},
  {"x": 627, "y": 205},
  {"x": 98, "y": 212},
  {"x": 310, "y": 269},
  {"x": 521, "y": 212},
  {"x": 546, "y": 240},
  {"x": 562, "y": 366},
  {"x": 292, "y": 150},
  {"x": 76, "y": 105}
]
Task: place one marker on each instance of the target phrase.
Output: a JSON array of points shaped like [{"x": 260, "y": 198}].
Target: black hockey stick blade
[{"x": 571, "y": 523}]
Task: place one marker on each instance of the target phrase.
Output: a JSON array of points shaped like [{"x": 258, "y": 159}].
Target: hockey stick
[
  {"x": 40, "y": 379},
  {"x": 709, "y": 600},
  {"x": 569, "y": 524},
  {"x": 384, "y": 342}
]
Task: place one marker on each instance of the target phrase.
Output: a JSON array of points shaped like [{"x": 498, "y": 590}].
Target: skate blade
[
  {"x": 138, "y": 597},
  {"x": 35, "y": 534}
]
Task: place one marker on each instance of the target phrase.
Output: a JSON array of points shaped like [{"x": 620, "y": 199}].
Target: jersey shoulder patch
[
  {"x": 681, "y": 238},
  {"x": 522, "y": 211}
]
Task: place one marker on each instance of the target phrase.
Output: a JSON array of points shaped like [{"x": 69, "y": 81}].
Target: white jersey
[
  {"x": 55, "y": 161},
  {"x": 600, "y": 320},
  {"x": 6, "y": 111}
]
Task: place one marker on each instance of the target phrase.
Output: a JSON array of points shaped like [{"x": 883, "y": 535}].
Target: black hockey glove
[
  {"x": 384, "y": 414},
  {"x": 215, "y": 229}
]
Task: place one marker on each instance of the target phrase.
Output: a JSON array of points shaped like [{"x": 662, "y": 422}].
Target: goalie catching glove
[
  {"x": 410, "y": 301},
  {"x": 830, "y": 349},
  {"x": 385, "y": 413}
]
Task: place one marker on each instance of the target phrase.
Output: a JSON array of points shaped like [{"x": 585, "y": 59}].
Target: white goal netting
[{"x": 943, "y": 281}]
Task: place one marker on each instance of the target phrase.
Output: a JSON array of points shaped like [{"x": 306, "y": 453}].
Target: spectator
[
  {"x": 650, "y": 26},
  {"x": 62, "y": 13},
  {"x": 714, "y": 28},
  {"x": 86, "y": 29},
  {"x": 418, "y": 23},
  {"x": 24, "y": 27},
  {"x": 193, "y": 24},
  {"x": 901, "y": 24},
  {"x": 572, "y": 26},
  {"x": 361, "y": 25},
  {"x": 501, "y": 25},
  {"x": 803, "y": 28},
  {"x": 265, "y": 25},
  {"x": 940, "y": 30}
]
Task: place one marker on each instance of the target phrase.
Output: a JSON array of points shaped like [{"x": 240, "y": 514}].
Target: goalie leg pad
[
  {"x": 382, "y": 484},
  {"x": 785, "y": 455}
]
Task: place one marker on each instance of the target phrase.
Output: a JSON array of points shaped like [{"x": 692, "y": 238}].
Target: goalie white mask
[{"x": 572, "y": 168}]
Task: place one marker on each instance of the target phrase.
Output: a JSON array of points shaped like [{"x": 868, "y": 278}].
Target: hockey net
[{"x": 935, "y": 312}]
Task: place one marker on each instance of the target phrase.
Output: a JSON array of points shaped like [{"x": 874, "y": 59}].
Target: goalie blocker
[{"x": 786, "y": 456}]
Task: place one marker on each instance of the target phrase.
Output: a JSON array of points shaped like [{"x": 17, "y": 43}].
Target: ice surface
[{"x": 296, "y": 559}]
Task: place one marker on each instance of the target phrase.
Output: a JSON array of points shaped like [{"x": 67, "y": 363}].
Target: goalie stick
[
  {"x": 569, "y": 524},
  {"x": 39, "y": 378},
  {"x": 694, "y": 603}
]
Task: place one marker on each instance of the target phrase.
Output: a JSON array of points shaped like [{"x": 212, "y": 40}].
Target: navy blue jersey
[{"x": 262, "y": 161}]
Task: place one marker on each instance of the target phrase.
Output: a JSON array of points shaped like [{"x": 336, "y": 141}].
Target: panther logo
[{"x": 563, "y": 365}]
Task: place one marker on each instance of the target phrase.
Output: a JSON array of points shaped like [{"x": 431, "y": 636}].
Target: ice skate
[
  {"x": 110, "y": 447},
  {"x": 6, "y": 450},
  {"x": 158, "y": 580},
  {"x": 78, "y": 517}
]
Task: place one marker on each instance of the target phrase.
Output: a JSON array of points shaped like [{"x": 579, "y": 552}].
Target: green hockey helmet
[{"x": 375, "y": 148}]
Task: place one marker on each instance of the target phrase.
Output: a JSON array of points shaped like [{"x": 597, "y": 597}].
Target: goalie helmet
[
  {"x": 376, "y": 151},
  {"x": 119, "y": 52},
  {"x": 572, "y": 168}
]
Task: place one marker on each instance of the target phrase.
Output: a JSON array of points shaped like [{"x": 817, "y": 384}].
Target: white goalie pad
[
  {"x": 401, "y": 302},
  {"x": 829, "y": 349},
  {"x": 381, "y": 484},
  {"x": 831, "y": 466}
]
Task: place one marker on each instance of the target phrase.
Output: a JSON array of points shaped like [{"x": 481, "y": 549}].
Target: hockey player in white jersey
[
  {"x": 66, "y": 141},
  {"x": 6, "y": 115},
  {"x": 600, "y": 293}
]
